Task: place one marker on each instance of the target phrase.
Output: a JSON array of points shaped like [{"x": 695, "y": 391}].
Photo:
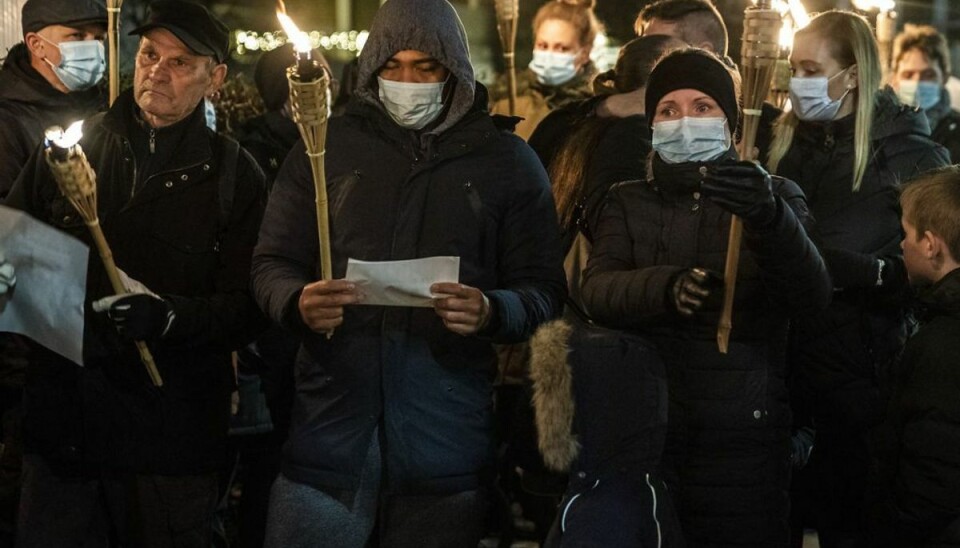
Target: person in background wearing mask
[
  {"x": 699, "y": 23},
  {"x": 657, "y": 251},
  {"x": 561, "y": 70},
  {"x": 392, "y": 419},
  {"x": 921, "y": 67},
  {"x": 50, "y": 78},
  {"x": 111, "y": 458},
  {"x": 848, "y": 144}
]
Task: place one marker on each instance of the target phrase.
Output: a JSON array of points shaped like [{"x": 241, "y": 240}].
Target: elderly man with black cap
[
  {"x": 107, "y": 453},
  {"x": 392, "y": 417},
  {"x": 50, "y": 78}
]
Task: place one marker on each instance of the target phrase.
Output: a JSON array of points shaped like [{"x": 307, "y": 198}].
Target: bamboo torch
[
  {"x": 77, "y": 182},
  {"x": 508, "y": 13},
  {"x": 760, "y": 50},
  {"x": 885, "y": 30},
  {"x": 310, "y": 103},
  {"x": 794, "y": 18},
  {"x": 113, "y": 45}
]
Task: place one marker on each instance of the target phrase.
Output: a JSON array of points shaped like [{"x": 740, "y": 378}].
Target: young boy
[{"x": 919, "y": 502}]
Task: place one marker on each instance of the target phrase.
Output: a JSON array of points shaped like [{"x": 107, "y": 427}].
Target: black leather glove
[
  {"x": 742, "y": 188},
  {"x": 691, "y": 288},
  {"x": 137, "y": 316}
]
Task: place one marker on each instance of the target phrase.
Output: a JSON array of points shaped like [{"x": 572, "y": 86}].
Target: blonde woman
[
  {"x": 848, "y": 144},
  {"x": 561, "y": 70}
]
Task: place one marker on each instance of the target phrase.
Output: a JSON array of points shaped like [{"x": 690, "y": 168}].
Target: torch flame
[
  {"x": 300, "y": 39},
  {"x": 786, "y": 36},
  {"x": 68, "y": 138},
  {"x": 799, "y": 14},
  {"x": 882, "y": 5}
]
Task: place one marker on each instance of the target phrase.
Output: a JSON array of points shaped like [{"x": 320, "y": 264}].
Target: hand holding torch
[
  {"x": 310, "y": 103},
  {"x": 77, "y": 182},
  {"x": 760, "y": 51}
]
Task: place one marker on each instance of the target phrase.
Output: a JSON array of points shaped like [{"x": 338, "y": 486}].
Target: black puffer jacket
[
  {"x": 28, "y": 106},
  {"x": 169, "y": 236},
  {"x": 728, "y": 438},
  {"x": 836, "y": 353},
  {"x": 945, "y": 125},
  {"x": 918, "y": 502}
]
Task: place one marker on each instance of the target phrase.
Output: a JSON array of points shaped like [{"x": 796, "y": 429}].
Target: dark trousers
[
  {"x": 114, "y": 509},
  {"x": 302, "y": 516},
  {"x": 829, "y": 494}
]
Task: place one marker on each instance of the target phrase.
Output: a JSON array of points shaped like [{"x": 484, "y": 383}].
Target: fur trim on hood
[
  {"x": 553, "y": 400},
  {"x": 430, "y": 26}
]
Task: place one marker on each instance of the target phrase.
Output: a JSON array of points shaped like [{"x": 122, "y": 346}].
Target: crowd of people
[{"x": 567, "y": 388}]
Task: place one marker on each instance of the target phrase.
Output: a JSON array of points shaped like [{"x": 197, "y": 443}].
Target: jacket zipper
[{"x": 153, "y": 141}]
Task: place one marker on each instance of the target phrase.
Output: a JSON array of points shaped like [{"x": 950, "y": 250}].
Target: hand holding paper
[
  {"x": 464, "y": 310},
  {"x": 321, "y": 303}
]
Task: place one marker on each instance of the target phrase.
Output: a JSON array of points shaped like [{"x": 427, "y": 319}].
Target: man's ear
[
  {"x": 217, "y": 76},
  {"x": 931, "y": 245},
  {"x": 35, "y": 44},
  {"x": 584, "y": 56}
]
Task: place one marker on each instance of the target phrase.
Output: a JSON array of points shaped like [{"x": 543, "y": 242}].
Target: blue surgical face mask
[
  {"x": 210, "y": 113},
  {"x": 412, "y": 105},
  {"x": 923, "y": 94},
  {"x": 553, "y": 68},
  {"x": 82, "y": 63},
  {"x": 691, "y": 139},
  {"x": 810, "y": 99}
]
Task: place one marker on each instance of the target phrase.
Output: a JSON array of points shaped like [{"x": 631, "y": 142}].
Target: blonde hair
[
  {"x": 851, "y": 43},
  {"x": 931, "y": 201},
  {"x": 578, "y": 13}
]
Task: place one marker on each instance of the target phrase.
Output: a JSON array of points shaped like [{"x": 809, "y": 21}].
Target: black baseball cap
[
  {"x": 193, "y": 24},
  {"x": 38, "y": 14}
]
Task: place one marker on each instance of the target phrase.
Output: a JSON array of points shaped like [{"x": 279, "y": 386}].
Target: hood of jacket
[
  {"x": 430, "y": 26},
  {"x": 894, "y": 118},
  {"x": 21, "y": 83},
  {"x": 553, "y": 400}
]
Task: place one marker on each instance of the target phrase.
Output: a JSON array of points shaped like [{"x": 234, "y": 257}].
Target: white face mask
[
  {"x": 82, "y": 63},
  {"x": 923, "y": 94},
  {"x": 691, "y": 139},
  {"x": 810, "y": 99},
  {"x": 210, "y": 113},
  {"x": 553, "y": 68},
  {"x": 412, "y": 105}
]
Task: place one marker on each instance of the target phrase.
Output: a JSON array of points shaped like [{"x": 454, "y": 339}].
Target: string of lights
[{"x": 246, "y": 41}]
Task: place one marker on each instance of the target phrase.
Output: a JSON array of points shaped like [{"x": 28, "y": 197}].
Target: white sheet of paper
[
  {"x": 402, "y": 283},
  {"x": 46, "y": 304}
]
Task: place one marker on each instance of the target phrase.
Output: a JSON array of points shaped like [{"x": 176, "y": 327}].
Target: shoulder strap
[{"x": 227, "y": 183}]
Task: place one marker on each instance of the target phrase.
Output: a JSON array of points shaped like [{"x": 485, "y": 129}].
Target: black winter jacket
[
  {"x": 473, "y": 191},
  {"x": 28, "y": 106},
  {"x": 945, "y": 125},
  {"x": 919, "y": 481},
  {"x": 836, "y": 353},
  {"x": 727, "y": 442},
  {"x": 169, "y": 236}
]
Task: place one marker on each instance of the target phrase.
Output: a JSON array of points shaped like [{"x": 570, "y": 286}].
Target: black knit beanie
[{"x": 692, "y": 69}]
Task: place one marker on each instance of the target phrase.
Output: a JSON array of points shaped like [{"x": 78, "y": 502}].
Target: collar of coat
[
  {"x": 943, "y": 297},
  {"x": 195, "y": 148}
]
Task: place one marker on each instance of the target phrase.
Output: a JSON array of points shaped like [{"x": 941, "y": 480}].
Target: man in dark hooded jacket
[
  {"x": 50, "y": 78},
  {"x": 392, "y": 416}
]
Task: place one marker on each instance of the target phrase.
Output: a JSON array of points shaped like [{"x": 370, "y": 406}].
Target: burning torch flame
[
  {"x": 799, "y": 14},
  {"x": 786, "y": 36},
  {"x": 882, "y": 5},
  {"x": 300, "y": 39},
  {"x": 68, "y": 138}
]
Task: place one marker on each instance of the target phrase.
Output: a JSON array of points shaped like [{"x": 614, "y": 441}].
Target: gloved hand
[
  {"x": 893, "y": 274},
  {"x": 691, "y": 289},
  {"x": 742, "y": 188},
  {"x": 137, "y": 316},
  {"x": 8, "y": 277}
]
